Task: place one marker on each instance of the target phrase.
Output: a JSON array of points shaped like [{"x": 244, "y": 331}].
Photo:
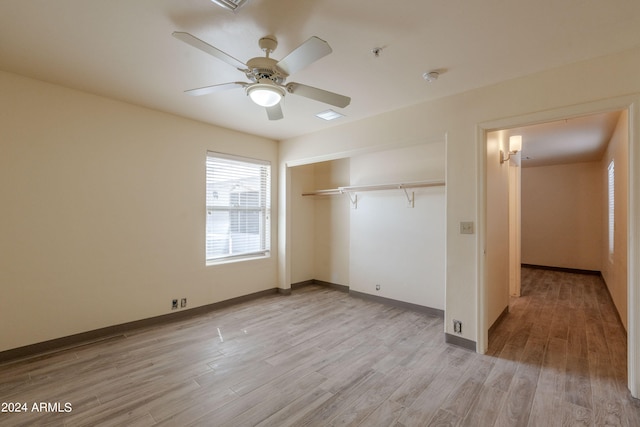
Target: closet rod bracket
[
  {"x": 354, "y": 199},
  {"x": 410, "y": 200}
]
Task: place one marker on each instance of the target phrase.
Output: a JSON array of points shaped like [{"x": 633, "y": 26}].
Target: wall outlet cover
[
  {"x": 466, "y": 227},
  {"x": 457, "y": 326}
]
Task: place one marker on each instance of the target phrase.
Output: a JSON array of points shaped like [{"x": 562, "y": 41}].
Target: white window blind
[
  {"x": 238, "y": 207},
  {"x": 611, "y": 197}
]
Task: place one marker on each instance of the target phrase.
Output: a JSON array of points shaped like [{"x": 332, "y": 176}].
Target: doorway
[{"x": 495, "y": 281}]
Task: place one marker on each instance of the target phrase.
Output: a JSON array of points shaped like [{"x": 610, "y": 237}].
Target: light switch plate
[{"x": 466, "y": 227}]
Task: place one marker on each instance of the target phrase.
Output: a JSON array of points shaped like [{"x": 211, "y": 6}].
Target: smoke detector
[{"x": 431, "y": 76}]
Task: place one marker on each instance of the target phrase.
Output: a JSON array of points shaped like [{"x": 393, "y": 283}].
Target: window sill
[{"x": 233, "y": 260}]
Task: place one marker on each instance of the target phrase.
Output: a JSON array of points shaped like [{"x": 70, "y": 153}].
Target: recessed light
[{"x": 329, "y": 115}]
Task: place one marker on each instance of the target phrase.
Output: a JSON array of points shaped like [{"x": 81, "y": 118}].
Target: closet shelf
[{"x": 376, "y": 187}]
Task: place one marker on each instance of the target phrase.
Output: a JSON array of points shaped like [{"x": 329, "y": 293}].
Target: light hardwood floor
[{"x": 322, "y": 358}]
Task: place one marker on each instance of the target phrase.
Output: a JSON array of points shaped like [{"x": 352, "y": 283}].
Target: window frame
[{"x": 240, "y": 205}]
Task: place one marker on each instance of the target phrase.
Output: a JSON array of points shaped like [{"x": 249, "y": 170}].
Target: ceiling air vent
[{"x": 231, "y": 5}]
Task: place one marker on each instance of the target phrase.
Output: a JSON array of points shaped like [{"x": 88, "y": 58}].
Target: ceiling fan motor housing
[{"x": 265, "y": 68}]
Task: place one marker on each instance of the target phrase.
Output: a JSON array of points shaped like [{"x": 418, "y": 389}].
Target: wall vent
[{"x": 231, "y": 5}]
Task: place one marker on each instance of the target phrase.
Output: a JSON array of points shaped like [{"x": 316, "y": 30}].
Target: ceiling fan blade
[
  {"x": 305, "y": 54},
  {"x": 215, "y": 88},
  {"x": 275, "y": 112},
  {"x": 321, "y": 95},
  {"x": 207, "y": 48}
]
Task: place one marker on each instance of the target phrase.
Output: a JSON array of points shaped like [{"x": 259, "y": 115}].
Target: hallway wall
[
  {"x": 614, "y": 267},
  {"x": 562, "y": 216}
]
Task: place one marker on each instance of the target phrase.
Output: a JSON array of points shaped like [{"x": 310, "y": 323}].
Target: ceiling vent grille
[{"x": 232, "y": 5}]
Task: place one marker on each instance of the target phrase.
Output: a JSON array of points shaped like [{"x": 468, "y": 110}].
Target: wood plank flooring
[{"x": 322, "y": 358}]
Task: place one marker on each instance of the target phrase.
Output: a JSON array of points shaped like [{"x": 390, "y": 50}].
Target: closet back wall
[{"x": 400, "y": 248}]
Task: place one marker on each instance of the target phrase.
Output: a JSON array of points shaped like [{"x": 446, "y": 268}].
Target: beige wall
[
  {"x": 102, "y": 213},
  {"x": 515, "y": 227},
  {"x": 497, "y": 243},
  {"x": 562, "y": 215},
  {"x": 401, "y": 249},
  {"x": 302, "y": 224},
  {"x": 320, "y": 224},
  {"x": 332, "y": 227},
  {"x": 614, "y": 268},
  {"x": 459, "y": 117}
]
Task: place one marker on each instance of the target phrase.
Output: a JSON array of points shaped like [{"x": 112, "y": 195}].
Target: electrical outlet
[
  {"x": 457, "y": 327},
  {"x": 183, "y": 303},
  {"x": 174, "y": 304}
]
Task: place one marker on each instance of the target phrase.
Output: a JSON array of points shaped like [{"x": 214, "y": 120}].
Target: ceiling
[
  {"x": 572, "y": 140},
  {"x": 123, "y": 49}
]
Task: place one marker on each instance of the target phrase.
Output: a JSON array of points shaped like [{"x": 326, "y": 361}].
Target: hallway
[{"x": 572, "y": 350}]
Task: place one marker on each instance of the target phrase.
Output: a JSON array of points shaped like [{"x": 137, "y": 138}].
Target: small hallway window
[{"x": 611, "y": 206}]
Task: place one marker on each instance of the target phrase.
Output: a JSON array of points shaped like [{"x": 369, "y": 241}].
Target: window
[
  {"x": 238, "y": 207},
  {"x": 611, "y": 200}
]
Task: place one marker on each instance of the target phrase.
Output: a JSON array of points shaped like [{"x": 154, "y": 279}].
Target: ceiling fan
[{"x": 267, "y": 85}]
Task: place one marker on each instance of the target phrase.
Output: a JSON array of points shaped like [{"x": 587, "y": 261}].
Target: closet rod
[
  {"x": 401, "y": 185},
  {"x": 375, "y": 187},
  {"x": 330, "y": 192}
]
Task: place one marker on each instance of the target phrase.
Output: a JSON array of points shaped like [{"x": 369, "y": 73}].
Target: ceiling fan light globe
[{"x": 265, "y": 95}]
